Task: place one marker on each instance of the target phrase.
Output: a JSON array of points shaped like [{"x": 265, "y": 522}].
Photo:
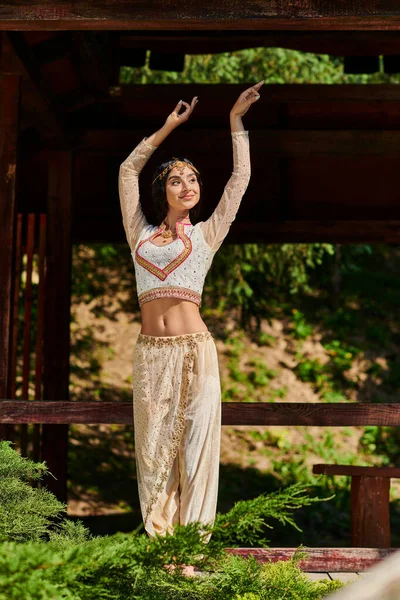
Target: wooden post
[
  {"x": 9, "y": 118},
  {"x": 370, "y": 520},
  {"x": 56, "y": 335}
]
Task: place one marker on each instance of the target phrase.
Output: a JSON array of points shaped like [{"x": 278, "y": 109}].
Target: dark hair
[{"x": 159, "y": 193}]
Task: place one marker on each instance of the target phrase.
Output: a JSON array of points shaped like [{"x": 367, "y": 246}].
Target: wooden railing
[{"x": 315, "y": 414}]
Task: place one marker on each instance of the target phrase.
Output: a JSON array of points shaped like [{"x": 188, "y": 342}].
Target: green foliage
[
  {"x": 342, "y": 354},
  {"x": 301, "y": 329},
  {"x": 74, "y": 565},
  {"x": 256, "y": 271},
  {"x": 245, "y": 522},
  {"x": 250, "y": 384},
  {"x": 26, "y": 513},
  {"x": 275, "y": 65},
  {"x": 383, "y": 442},
  {"x": 329, "y": 378},
  {"x": 311, "y": 370},
  {"x": 123, "y": 566},
  {"x": 21, "y": 505}
]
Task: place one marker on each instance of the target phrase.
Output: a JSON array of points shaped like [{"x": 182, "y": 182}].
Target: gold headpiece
[{"x": 179, "y": 164}]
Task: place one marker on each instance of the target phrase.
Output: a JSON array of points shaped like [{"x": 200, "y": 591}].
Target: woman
[{"x": 176, "y": 385}]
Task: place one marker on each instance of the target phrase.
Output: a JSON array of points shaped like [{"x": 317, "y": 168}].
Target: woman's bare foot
[
  {"x": 187, "y": 570},
  {"x": 169, "y": 568}
]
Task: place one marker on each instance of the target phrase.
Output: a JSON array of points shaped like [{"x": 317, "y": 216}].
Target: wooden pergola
[{"x": 325, "y": 164}]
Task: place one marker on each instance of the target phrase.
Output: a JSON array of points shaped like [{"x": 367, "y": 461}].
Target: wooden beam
[
  {"x": 340, "y": 43},
  {"x": 108, "y": 229},
  {"x": 313, "y": 106},
  {"x": 33, "y": 109},
  {"x": 321, "y": 560},
  {"x": 269, "y": 14},
  {"x": 52, "y": 48},
  {"x": 313, "y": 414},
  {"x": 350, "y": 470},
  {"x": 56, "y": 340},
  {"x": 91, "y": 58},
  {"x": 9, "y": 119},
  {"x": 334, "y": 231},
  {"x": 32, "y": 67},
  {"x": 291, "y": 143}
]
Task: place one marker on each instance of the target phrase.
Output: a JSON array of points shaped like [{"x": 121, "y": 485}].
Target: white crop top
[{"x": 178, "y": 269}]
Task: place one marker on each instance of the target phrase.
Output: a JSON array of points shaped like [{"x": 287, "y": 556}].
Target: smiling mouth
[{"x": 190, "y": 196}]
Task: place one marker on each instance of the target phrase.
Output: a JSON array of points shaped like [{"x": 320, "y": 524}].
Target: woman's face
[{"x": 182, "y": 188}]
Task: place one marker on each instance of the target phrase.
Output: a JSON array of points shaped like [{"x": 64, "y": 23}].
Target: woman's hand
[
  {"x": 246, "y": 99},
  {"x": 175, "y": 119}
]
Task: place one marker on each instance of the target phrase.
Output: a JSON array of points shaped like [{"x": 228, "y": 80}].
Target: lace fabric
[
  {"x": 177, "y": 428},
  {"x": 128, "y": 185},
  {"x": 185, "y": 263},
  {"x": 217, "y": 226}
]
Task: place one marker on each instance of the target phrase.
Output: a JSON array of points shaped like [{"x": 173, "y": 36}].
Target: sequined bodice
[{"x": 178, "y": 269}]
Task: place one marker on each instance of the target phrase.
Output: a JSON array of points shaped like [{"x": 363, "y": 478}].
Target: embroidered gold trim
[
  {"x": 182, "y": 256},
  {"x": 172, "y": 340},
  {"x": 170, "y": 292},
  {"x": 187, "y": 369}
]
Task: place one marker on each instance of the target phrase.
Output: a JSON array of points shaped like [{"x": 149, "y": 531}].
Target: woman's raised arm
[
  {"x": 128, "y": 180},
  {"x": 217, "y": 226},
  {"x": 128, "y": 185}
]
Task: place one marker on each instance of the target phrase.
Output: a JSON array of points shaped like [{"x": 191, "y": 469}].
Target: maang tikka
[{"x": 179, "y": 164}]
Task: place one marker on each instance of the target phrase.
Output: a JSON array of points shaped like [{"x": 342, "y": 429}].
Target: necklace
[{"x": 167, "y": 233}]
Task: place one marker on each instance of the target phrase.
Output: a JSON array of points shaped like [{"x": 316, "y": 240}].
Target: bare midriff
[{"x": 171, "y": 316}]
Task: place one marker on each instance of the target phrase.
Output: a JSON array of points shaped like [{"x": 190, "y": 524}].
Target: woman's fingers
[
  {"x": 251, "y": 95},
  {"x": 252, "y": 92},
  {"x": 188, "y": 107},
  {"x": 178, "y": 106}
]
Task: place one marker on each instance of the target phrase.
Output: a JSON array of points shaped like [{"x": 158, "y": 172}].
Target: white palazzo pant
[{"x": 177, "y": 425}]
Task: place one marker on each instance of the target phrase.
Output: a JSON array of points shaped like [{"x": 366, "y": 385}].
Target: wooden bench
[{"x": 370, "y": 486}]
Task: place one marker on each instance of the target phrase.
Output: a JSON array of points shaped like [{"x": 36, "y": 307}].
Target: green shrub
[{"x": 40, "y": 559}]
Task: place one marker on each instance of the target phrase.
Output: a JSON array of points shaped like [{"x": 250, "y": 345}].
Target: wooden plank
[
  {"x": 56, "y": 341},
  {"x": 270, "y": 14},
  {"x": 15, "y": 311},
  {"x": 291, "y": 231},
  {"x": 9, "y": 116},
  {"x": 42, "y": 85},
  {"x": 345, "y": 577},
  {"x": 370, "y": 518},
  {"x": 268, "y": 142},
  {"x": 40, "y": 306},
  {"x": 273, "y": 93},
  {"x": 27, "y": 323},
  {"x": 356, "y": 470},
  {"x": 11, "y": 431},
  {"x": 313, "y": 414},
  {"x": 92, "y": 60},
  {"x": 215, "y": 102},
  {"x": 37, "y": 428},
  {"x": 321, "y": 560},
  {"x": 306, "y": 144}
]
